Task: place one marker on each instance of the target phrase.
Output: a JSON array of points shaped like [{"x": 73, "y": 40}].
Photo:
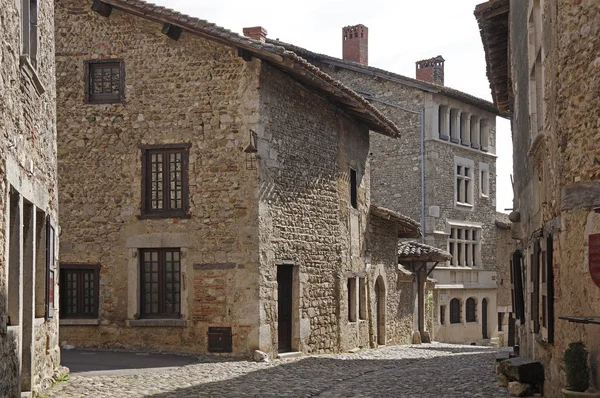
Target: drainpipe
[{"x": 422, "y": 175}]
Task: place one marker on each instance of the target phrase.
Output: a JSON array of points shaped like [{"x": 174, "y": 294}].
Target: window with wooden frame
[
  {"x": 165, "y": 188},
  {"x": 29, "y": 30},
  {"x": 79, "y": 292},
  {"x": 455, "y": 310},
  {"x": 160, "y": 280},
  {"x": 471, "y": 311},
  {"x": 105, "y": 81}
]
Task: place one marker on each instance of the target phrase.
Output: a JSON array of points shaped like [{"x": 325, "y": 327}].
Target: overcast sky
[{"x": 400, "y": 33}]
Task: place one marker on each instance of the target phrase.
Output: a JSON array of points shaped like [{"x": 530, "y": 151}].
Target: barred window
[
  {"x": 471, "y": 310},
  {"x": 79, "y": 290},
  {"x": 454, "y": 311},
  {"x": 160, "y": 283},
  {"x": 105, "y": 82},
  {"x": 165, "y": 181},
  {"x": 465, "y": 245}
]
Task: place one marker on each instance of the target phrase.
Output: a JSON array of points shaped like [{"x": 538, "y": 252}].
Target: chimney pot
[
  {"x": 431, "y": 70},
  {"x": 355, "y": 44},
  {"x": 256, "y": 33}
]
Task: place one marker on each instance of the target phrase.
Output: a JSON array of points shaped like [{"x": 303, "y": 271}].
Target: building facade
[
  {"x": 216, "y": 195},
  {"x": 542, "y": 62},
  {"x": 441, "y": 171},
  {"x": 29, "y": 352}
]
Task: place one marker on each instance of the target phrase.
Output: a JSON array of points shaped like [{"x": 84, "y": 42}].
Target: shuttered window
[{"x": 547, "y": 290}]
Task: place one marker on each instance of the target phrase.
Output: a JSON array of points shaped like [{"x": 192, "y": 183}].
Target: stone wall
[
  {"x": 28, "y": 164},
  {"x": 306, "y": 150},
  {"x": 400, "y": 295},
  {"x": 190, "y": 91},
  {"x": 558, "y": 174}
]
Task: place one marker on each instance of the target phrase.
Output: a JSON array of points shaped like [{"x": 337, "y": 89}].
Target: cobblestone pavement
[{"x": 428, "y": 370}]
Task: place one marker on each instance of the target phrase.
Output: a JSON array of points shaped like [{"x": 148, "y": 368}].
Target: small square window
[{"x": 105, "y": 82}]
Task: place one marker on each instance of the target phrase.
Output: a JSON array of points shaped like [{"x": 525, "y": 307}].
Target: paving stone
[{"x": 427, "y": 370}]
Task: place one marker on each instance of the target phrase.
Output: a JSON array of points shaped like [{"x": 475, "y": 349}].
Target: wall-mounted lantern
[{"x": 251, "y": 151}]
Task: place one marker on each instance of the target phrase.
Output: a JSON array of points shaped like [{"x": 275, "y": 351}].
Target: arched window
[
  {"x": 471, "y": 310},
  {"x": 454, "y": 311}
]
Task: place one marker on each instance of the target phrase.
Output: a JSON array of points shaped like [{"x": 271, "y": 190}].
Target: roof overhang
[
  {"x": 406, "y": 226},
  {"x": 492, "y": 18},
  {"x": 278, "y": 56},
  {"x": 409, "y": 252}
]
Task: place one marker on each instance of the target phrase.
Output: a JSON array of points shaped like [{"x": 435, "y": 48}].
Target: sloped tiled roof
[
  {"x": 492, "y": 18},
  {"x": 384, "y": 74},
  {"x": 276, "y": 55},
  {"x": 415, "y": 251},
  {"x": 407, "y": 227}
]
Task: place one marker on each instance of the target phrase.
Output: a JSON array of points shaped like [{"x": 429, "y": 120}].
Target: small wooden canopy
[{"x": 419, "y": 252}]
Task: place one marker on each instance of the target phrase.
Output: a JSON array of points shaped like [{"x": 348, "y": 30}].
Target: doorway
[
  {"x": 511, "y": 330},
  {"x": 285, "y": 277},
  {"x": 380, "y": 310},
  {"x": 484, "y": 318}
]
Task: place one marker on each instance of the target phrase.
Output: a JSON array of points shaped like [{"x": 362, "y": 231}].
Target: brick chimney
[
  {"x": 356, "y": 44},
  {"x": 256, "y": 32},
  {"x": 431, "y": 70}
]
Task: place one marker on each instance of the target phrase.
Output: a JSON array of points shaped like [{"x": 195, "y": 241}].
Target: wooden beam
[
  {"x": 101, "y": 8},
  {"x": 172, "y": 31}
]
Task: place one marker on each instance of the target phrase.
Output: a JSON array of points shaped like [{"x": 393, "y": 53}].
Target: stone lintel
[
  {"x": 134, "y": 323},
  {"x": 216, "y": 266}
]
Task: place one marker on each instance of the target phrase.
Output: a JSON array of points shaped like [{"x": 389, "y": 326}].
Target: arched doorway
[
  {"x": 484, "y": 318},
  {"x": 380, "y": 310}
]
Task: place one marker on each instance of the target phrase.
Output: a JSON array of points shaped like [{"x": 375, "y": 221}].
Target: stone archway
[{"x": 380, "y": 310}]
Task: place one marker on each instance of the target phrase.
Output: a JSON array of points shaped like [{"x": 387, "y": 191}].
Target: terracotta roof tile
[{"x": 415, "y": 251}]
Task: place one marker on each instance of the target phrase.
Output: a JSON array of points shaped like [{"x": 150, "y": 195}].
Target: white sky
[{"x": 400, "y": 33}]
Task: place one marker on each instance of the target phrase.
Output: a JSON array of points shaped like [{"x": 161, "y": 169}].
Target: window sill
[
  {"x": 29, "y": 73},
  {"x": 159, "y": 216},
  {"x": 171, "y": 323},
  {"x": 465, "y": 205},
  {"x": 79, "y": 322}
]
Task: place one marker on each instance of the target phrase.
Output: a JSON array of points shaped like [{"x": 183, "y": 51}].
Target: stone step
[
  {"x": 523, "y": 370},
  {"x": 286, "y": 355}
]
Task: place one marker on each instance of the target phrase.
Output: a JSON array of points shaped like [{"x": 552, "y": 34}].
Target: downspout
[{"x": 422, "y": 175}]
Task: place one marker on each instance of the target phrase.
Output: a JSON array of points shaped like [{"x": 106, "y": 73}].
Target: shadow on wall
[
  {"x": 8, "y": 359},
  {"x": 358, "y": 377}
]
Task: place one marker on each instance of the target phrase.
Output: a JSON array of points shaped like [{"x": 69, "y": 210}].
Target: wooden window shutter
[
  {"x": 550, "y": 288},
  {"x": 535, "y": 291},
  {"x": 518, "y": 275}
]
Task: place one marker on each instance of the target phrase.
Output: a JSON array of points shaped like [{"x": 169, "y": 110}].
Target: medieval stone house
[
  {"x": 29, "y": 353},
  {"x": 542, "y": 63},
  {"x": 441, "y": 171},
  {"x": 214, "y": 189}
]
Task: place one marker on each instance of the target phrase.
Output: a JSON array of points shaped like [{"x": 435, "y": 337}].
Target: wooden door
[
  {"x": 380, "y": 310},
  {"x": 284, "y": 311},
  {"x": 484, "y": 319}
]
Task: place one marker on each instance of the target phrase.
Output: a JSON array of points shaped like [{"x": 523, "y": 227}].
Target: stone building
[
  {"x": 215, "y": 189},
  {"x": 29, "y": 353},
  {"x": 442, "y": 171},
  {"x": 542, "y": 64}
]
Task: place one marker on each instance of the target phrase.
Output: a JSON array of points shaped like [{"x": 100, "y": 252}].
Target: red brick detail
[
  {"x": 431, "y": 70},
  {"x": 355, "y": 44},
  {"x": 256, "y": 33}
]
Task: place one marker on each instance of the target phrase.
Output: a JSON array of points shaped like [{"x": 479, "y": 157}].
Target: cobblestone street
[{"x": 428, "y": 370}]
